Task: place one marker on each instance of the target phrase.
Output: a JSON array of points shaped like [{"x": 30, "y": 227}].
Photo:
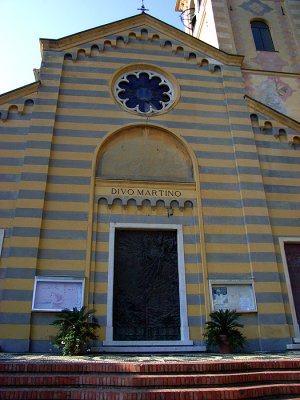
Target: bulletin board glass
[
  {"x": 233, "y": 296},
  {"x": 56, "y": 294}
]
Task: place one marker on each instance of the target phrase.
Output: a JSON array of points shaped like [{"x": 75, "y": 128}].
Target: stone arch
[
  {"x": 217, "y": 69},
  {"x": 107, "y": 44},
  {"x": 95, "y": 51},
  {"x": 168, "y": 44},
  {"x": 68, "y": 56},
  {"x": 132, "y": 36},
  {"x": 192, "y": 56},
  {"x": 254, "y": 120},
  {"x": 120, "y": 42},
  {"x": 155, "y": 38},
  {"x": 146, "y": 203},
  {"x": 117, "y": 202},
  {"x": 267, "y": 128},
  {"x": 204, "y": 63},
  {"x": 144, "y": 152},
  {"x": 174, "y": 203},
  {"x": 282, "y": 132},
  {"x": 179, "y": 50},
  {"x": 144, "y": 34},
  {"x": 13, "y": 112},
  {"x": 81, "y": 54}
]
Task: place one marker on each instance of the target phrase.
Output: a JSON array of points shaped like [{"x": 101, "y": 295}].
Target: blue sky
[{"x": 23, "y": 22}]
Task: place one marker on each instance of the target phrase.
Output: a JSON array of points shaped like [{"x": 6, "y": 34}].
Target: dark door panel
[{"x": 146, "y": 288}]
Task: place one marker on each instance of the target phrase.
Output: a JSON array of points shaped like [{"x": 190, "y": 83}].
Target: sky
[{"x": 23, "y": 22}]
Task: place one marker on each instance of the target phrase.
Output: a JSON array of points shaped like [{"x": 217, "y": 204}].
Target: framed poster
[
  {"x": 55, "y": 294},
  {"x": 233, "y": 295}
]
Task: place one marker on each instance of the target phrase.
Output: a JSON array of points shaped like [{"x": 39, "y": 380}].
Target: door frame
[
  {"x": 184, "y": 328},
  {"x": 296, "y": 323}
]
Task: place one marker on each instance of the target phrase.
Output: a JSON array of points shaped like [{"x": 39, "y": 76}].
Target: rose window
[{"x": 145, "y": 92}]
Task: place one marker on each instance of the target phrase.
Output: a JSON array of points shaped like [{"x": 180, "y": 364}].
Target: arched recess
[{"x": 144, "y": 153}]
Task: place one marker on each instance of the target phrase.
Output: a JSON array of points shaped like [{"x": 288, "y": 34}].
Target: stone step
[
  {"x": 88, "y": 380},
  {"x": 163, "y": 368},
  {"x": 150, "y": 394},
  {"x": 145, "y": 380}
]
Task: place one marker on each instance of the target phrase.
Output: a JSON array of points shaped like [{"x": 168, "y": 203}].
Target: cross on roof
[{"x": 143, "y": 8}]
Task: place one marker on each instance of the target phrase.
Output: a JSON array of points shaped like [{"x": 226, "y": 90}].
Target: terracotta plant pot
[{"x": 224, "y": 345}]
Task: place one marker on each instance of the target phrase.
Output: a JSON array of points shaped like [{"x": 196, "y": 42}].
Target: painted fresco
[{"x": 279, "y": 92}]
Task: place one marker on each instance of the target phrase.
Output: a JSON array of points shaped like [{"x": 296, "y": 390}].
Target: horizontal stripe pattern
[{"x": 249, "y": 188}]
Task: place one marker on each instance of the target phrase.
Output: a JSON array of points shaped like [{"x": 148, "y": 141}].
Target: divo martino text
[{"x": 146, "y": 192}]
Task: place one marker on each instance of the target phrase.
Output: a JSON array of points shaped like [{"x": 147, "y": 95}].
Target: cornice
[
  {"x": 268, "y": 73},
  {"x": 137, "y": 21},
  {"x": 264, "y": 109},
  {"x": 19, "y": 92}
]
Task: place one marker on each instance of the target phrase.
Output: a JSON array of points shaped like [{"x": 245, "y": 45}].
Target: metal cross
[{"x": 143, "y": 8}]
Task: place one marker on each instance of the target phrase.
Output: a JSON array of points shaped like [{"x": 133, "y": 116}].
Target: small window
[{"x": 262, "y": 36}]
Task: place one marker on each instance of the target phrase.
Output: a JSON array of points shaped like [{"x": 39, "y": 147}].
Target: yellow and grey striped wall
[{"x": 56, "y": 213}]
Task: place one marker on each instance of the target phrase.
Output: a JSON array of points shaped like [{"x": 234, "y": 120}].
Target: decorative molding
[
  {"x": 139, "y": 21},
  {"x": 19, "y": 92},
  {"x": 295, "y": 142},
  {"x": 202, "y": 60},
  {"x": 263, "y": 108},
  {"x": 268, "y": 73},
  {"x": 256, "y": 7},
  {"x": 146, "y": 201},
  {"x": 22, "y": 109}
]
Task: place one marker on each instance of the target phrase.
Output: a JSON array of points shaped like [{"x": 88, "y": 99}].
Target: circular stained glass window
[{"x": 145, "y": 92}]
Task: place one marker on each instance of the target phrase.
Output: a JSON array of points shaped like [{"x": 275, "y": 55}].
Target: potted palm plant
[
  {"x": 76, "y": 328},
  {"x": 222, "y": 331}
]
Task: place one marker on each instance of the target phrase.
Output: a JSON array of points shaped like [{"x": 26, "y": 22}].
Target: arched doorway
[{"x": 144, "y": 200}]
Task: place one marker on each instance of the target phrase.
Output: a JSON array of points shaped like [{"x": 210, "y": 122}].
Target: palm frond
[
  {"x": 76, "y": 328},
  {"x": 224, "y": 323}
]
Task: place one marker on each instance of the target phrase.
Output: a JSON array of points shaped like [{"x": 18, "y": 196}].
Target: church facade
[{"x": 154, "y": 178}]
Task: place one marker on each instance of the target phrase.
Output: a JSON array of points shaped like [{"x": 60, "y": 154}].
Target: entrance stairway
[{"x": 90, "y": 380}]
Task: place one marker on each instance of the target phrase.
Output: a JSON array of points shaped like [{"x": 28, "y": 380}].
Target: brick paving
[{"x": 150, "y": 377}]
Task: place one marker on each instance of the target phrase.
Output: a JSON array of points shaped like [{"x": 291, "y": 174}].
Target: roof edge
[
  {"x": 21, "y": 91},
  {"x": 140, "y": 19},
  {"x": 263, "y": 108}
]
